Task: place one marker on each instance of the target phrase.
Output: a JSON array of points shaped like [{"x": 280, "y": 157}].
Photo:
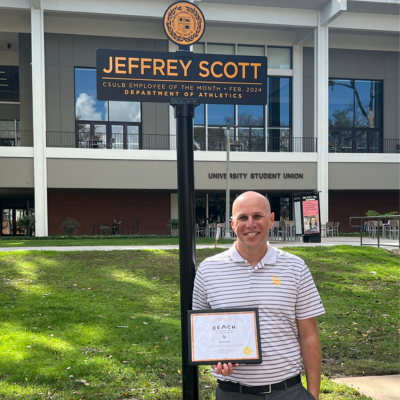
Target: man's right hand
[{"x": 224, "y": 369}]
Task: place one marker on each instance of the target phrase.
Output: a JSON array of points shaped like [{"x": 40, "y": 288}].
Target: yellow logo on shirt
[{"x": 276, "y": 280}]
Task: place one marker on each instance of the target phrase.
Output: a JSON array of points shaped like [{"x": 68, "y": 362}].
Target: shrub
[
  {"x": 70, "y": 226},
  {"x": 26, "y": 222},
  {"x": 104, "y": 230},
  {"x": 173, "y": 224}
]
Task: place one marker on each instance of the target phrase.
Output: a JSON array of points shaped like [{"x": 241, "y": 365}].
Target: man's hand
[{"x": 224, "y": 369}]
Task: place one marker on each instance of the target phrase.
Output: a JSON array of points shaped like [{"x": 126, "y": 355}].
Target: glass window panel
[
  {"x": 133, "y": 137},
  {"x": 221, "y": 114},
  {"x": 99, "y": 138},
  {"x": 347, "y": 141},
  {"x": 7, "y": 125},
  {"x": 279, "y": 101},
  {"x": 87, "y": 107},
  {"x": 250, "y": 115},
  {"x": 368, "y": 104},
  {"x": 216, "y": 139},
  {"x": 124, "y": 111},
  {"x": 117, "y": 136},
  {"x": 199, "y": 48},
  {"x": 279, "y": 57},
  {"x": 83, "y": 135},
  {"x": 6, "y": 222},
  {"x": 361, "y": 141},
  {"x": 221, "y": 49},
  {"x": 333, "y": 141},
  {"x": 199, "y": 138},
  {"x": 341, "y": 103},
  {"x": 250, "y": 50},
  {"x": 199, "y": 115}
]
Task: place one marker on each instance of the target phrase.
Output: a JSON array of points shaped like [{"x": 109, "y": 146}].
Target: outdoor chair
[
  {"x": 200, "y": 231},
  {"x": 372, "y": 229},
  {"x": 393, "y": 229},
  {"x": 336, "y": 228},
  {"x": 329, "y": 229}
]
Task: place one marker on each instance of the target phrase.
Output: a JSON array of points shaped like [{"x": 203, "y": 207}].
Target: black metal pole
[{"x": 184, "y": 113}]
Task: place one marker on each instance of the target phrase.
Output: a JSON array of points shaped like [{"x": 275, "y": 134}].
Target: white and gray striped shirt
[{"x": 282, "y": 288}]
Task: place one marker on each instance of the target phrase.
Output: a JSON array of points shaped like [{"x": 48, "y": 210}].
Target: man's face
[{"x": 252, "y": 220}]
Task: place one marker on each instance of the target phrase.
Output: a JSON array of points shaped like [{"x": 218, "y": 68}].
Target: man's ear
[{"x": 233, "y": 225}]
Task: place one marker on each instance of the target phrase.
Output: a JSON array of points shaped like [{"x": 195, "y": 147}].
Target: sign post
[{"x": 184, "y": 80}]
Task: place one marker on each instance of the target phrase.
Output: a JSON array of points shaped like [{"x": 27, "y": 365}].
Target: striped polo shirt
[{"x": 282, "y": 288}]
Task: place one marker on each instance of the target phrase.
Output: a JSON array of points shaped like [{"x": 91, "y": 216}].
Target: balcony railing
[
  {"x": 216, "y": 141},
  {"x": 16, "y": 138}
]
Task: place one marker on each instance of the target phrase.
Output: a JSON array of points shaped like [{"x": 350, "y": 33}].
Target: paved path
[
  {"x": 385, "y": 387},
  {"x": 331, "y": 241}
]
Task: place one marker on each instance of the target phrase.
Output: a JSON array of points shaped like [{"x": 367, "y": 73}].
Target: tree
[{"x": 367, "y": 110}]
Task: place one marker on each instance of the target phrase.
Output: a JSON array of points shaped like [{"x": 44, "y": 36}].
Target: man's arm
[{"x": 311, "y": 353}]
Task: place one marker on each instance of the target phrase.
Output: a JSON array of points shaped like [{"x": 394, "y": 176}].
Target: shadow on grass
[{"x": 109, "y": 318}]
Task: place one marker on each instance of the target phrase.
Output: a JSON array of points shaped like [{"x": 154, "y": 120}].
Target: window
[
  {"x": 355, "y": 115},
  {"x": 279, "y": 57},
  {"x": 104, "y": 124},
  {"x": 279, "y": 113},
  {"x": 9, "y": 83},
  {"x": 211, "y": 119}
]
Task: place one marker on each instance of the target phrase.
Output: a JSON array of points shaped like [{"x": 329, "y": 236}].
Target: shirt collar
[{"x": 269, "y": 258}]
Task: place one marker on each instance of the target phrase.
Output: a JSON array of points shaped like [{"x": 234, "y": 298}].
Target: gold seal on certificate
[
  {"x": 226, "y": 335},
  {"x": 247, "y": 350}
]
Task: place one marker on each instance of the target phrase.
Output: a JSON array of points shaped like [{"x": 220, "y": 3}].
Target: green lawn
[
  {"x": 106, "y": 325},
  {"x": 104, "y": 241}
]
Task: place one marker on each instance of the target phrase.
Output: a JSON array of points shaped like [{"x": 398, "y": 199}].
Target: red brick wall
[
  {"x": 151, "y": 210},
  {"x": 343, "y": 205}
]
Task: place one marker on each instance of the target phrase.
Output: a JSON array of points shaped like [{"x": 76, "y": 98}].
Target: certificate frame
[{"x": 253, "y": 334}]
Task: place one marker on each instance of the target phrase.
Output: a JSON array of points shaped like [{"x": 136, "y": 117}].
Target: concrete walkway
[
  {"x": 376, "y": 387},
  {"x": 385, "y": 387},
  {"x": 330, "y": 241}
]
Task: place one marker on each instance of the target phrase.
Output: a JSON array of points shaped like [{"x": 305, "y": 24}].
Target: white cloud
[
  {"x": 86, "y": 108},
  {"x": 124, "y": 111}
]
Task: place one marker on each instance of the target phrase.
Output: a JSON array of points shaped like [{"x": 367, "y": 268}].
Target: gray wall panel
[
  {"x": 52, "y": 49},
  {"x": 111, "y": 174},
  {"x": 364, "y": 176},
  {"x": 124, "y": 174},
  {"x": 53, "y": 118},
  {"x": 203, "y": 181},
  {"x": 67, "y": 88},
  {"x": 308, "y": 92},
  {"x": 66, "y": 46},
  {"x": 25, "y": 82},
  {"x": 9, "y": 111},
  {"x": 19, "y": 172}
]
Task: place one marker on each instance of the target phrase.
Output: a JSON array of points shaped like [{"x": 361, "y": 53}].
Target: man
[{"x": 254, "y": 274}]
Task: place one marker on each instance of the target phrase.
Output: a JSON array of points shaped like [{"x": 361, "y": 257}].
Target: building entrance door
[{"x": 9, "y": 221}]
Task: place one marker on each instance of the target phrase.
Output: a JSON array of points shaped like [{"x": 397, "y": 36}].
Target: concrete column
[
  {"x": 39, "y": 119},
  {"x": 297, "y": 123},
  {"x": 321, "y": 122}
]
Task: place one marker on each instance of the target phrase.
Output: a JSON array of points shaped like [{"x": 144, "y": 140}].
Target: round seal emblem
[
  {"x": 247, "y": 351},
  {"x": 184, "y": 23}
]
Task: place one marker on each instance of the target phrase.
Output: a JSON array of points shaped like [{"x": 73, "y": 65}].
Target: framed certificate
[{"x": 224, "y": 335}]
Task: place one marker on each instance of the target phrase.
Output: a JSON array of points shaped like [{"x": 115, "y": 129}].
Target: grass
[
  {"x": 106, "y": 325},
  {"x": 106, "y": 241}
]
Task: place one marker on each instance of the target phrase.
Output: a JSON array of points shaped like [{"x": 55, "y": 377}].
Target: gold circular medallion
[
  {"x": 247, "y": 351},
  {"x": 184, "y": 23}
]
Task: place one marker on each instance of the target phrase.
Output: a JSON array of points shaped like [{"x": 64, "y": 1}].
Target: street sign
[{"x": 147, "y": 76}]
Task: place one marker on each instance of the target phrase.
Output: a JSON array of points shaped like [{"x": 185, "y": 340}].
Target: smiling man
[{"x": 254, "y": 274}]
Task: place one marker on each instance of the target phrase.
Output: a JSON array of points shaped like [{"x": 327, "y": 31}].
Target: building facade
[{"x": 331, "y": 124}]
